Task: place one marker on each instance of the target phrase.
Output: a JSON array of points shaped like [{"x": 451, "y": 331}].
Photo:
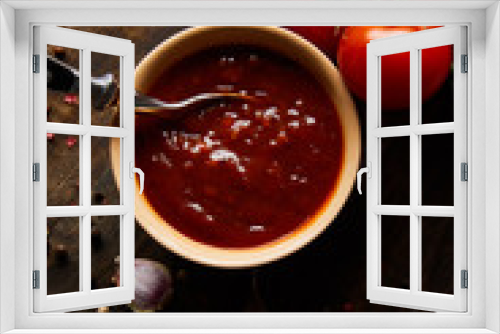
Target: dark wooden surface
[{"x": 328, "y": 275}]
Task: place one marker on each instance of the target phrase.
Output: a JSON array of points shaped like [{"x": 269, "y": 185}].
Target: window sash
[
  {"x": 86, "y": 297},
  {"x": 413, "y": 298}
]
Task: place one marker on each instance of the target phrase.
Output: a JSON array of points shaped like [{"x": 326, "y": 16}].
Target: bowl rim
[{"x": 207, "y": 254}]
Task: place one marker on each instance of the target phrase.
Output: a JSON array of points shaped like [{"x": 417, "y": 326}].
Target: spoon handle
[
  {"x": 146, "y": 105},
  {"x": 64, "y": 78},
  {"x": 150, "y": 103},
  {"x": 104, "y": 90}
]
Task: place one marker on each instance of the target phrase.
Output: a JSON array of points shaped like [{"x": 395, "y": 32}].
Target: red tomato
[
  {"x": 324, "y": 38},
  {"x": 351, "y": 58}
]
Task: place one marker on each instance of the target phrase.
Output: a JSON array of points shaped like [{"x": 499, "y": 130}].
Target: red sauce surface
[{"x": 245, "y": 173}]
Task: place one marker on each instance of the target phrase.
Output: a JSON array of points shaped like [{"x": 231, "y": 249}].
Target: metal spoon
[
  {"x": 63, "y": 77},
  {"x": 145, "y": 105}
]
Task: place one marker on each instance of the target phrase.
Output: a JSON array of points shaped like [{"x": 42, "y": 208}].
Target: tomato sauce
[{"x": 245, "y": 173}]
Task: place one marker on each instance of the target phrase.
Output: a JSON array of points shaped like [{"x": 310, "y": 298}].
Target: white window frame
[
  {"x": 86, "y": 44},
  {"x": 414, "y": 43},
  {"x": 483, "y": 314}
]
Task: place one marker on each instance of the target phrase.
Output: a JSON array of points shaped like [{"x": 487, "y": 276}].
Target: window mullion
[
  {"x": 86, "y": 121},
  {"x": 109, "y": 210},
  {"x": 418, "y": 143},
  {"x": 86, "y": 167},
  {"x": 67, "y": 129},
  {"x": 82, "y": 230},
  {"x": 414, "y": 178},
  {"x": 419, "y": 129}
]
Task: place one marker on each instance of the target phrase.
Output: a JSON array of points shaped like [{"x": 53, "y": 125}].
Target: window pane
[
  {"x": 395, "y": 251},
  {"x": 437, "y": 84},
  {"x": 63, "y": 170},
  {"x": 105, "y": 72},
  {"x": 105, "y": 190},
  {"x": 437, "y": 169},
  {"x": 437, "y": 254},
  {"x": 105, "y": 251},
  {"x": 395, "y": 171},
  {"x": 63, "y": 255},
  {"x": 63, "y": 92},
  {"x": 395, "y": 89}
]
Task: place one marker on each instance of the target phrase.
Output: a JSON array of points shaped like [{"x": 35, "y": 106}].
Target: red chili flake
[
  {"x": 71, "y": 98},
  {"x": 70, "y": 142},
  {"x": 348, "y": 307},
  {"x": 50, "y": 136}
]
